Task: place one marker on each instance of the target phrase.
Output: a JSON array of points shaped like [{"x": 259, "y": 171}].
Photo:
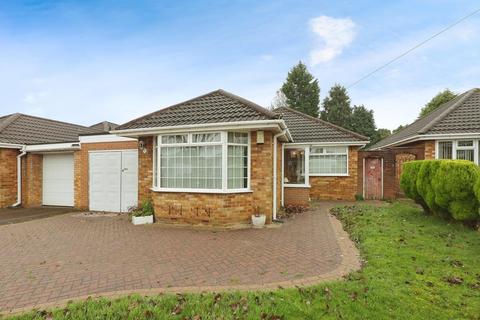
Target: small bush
[
  {"x": 143, "y": 210},
  {"x": 359, "y": 197},
  {"x": 444, "y": 187}
]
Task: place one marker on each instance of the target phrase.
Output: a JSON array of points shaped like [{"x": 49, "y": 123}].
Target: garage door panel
[
  {"x": 113, "y": 180},
  {"x": 58, "y": 182}
]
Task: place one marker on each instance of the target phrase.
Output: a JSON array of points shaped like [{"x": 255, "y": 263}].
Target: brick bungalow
[
  {"x": 215, "y": 158},
  {"x": 450, "y": 132}
]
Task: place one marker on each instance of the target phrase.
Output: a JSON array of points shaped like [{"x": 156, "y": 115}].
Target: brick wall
[
  {"x": 296, "y": 196},
  {"x": 81, "y": 174},
  {"x": 391, "y": 171},
  {"x": 216, "y": 209},
  {"x": 145, "y": 170},
  {"x": 32, "y": 177},
  {"x": 8, "y": 177},
  {"x": 337, "y": 188},
  {"x": 429, "y": 150}
]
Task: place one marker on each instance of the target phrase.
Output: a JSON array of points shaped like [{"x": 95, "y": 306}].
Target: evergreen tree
[
  {"x": 301, "y": 90},
  {"x": 336, "y": 107},
  {"x": 362, "y": 121},
  {"x": 439, "y": 99}
]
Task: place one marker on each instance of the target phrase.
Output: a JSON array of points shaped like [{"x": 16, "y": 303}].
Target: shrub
[
  {"x": 444, "y": 187},
  {"x": 143, "y": 210},
  {"x": 359, "y": 197}
]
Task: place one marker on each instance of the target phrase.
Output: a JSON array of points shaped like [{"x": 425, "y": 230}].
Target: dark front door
[{"x": 373, "y": 178}]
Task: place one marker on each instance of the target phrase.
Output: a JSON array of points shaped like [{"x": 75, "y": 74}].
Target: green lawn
[{"x": 416, "y": 267}]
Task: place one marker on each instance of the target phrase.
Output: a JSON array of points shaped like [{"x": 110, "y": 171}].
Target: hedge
[{"x": 448, "y": 188}]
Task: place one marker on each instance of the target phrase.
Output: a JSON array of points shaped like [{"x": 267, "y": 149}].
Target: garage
[
  {"x": 113, "y": 180},
  {"x": 57, "y": 179}
]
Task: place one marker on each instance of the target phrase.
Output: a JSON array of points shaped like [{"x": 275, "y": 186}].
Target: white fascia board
[
  {"x": 53, "y": 147},
  {"x": 319, "y": 143},
  {"x": 11, "y": 145},
  {"x": 104, "y": 138},
  {"x": 241, "y": 125}
]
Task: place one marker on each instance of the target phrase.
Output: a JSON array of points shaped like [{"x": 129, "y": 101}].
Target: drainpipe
[
  {"x": 274, "y": 206},
  {"x": 19, "y": 177}
]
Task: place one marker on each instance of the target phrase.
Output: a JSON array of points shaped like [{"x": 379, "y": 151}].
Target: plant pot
[
  {"x": 258, "y": 222},
  {"x": 142, "y": 220}
]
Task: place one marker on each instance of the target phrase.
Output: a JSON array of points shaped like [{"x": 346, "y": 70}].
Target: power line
[{"x": 413, "y": 48}]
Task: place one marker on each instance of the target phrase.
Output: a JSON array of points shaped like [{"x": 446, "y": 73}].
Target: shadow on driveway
[{"x": 17, "y": 215}]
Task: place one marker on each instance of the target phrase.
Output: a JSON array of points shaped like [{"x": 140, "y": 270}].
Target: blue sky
[{"x": 88, "y": 61}]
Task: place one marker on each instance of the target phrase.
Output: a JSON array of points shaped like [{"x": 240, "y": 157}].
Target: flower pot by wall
[
  {"x": 142, "y": 220},
  {"x": 258, "y": 221}
]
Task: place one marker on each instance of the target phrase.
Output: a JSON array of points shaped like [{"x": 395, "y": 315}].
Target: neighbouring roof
[
  {"x": 20, "y": 128},
  {"x": 305, "y": 128},
  {"x": 214, "y": 107},
  {"x": 459, "y": 115},
  {"x": 104, "y": 126}
]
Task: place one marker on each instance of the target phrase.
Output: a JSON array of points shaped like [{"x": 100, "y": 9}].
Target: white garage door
[
  {"x": 58, "y": 179},
  {"x": 113, "y": 180}
]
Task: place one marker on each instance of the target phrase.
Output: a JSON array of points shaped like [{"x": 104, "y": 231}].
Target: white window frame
[
  {"x": 306, "y": 150},
  {"x": 456, "y": 147},
  {"x": 223, "y": 143},
  {"x": 330, "y": 154}
]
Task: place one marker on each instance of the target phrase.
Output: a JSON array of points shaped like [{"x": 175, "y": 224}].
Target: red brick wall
[
  {"x": 81, "y": 174},
  {"x": 8, "y": 177},
  {"x": 296, "y": 196},
  {"x": 32, "y": 177},
  {"x": 337, "y": 188},
  {"x": 429, "y": 150},
  {"x": 216, "y": 209},
  {"x": 391, "y": 183}
]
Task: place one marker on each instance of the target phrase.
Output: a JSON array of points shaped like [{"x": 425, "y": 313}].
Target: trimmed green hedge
[{"x": 449, "y": 188}]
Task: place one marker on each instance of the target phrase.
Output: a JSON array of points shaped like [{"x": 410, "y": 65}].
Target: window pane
[
  {"x": 206, "y": 137},
  {"x": 237, "y": 167},
  {"x": 328, "y": 164},
  {"x": 445, "y": 150},
  {"x": 238, "y": 137},
  {"x": 175, "y": 138},
  {"x": 191, "y": 167},
  {"x": 465, "y": 154},
  {"x": 465, "y": 143},
  {"x": 155, "y": 162},
  {"x": 294, "y": 167}
]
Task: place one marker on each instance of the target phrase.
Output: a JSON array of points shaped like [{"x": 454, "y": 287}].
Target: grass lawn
[{"x": 416, "y": 267}]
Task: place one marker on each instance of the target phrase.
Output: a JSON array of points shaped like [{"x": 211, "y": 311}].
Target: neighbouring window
[
  {"x": 155, "y": 162},
  {"x": 465, "y": 150},
  {"x": 196, "y": 161},
  {"x": 294, "y": 166},
  {"x": 445, "y": 150},
  {"x": 329, "y": 161}
]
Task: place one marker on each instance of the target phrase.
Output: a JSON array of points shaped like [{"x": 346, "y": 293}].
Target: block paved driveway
[{"x": 68, "y": 256}]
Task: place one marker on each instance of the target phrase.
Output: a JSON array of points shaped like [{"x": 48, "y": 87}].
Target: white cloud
[{"x": 334, "y": 35}]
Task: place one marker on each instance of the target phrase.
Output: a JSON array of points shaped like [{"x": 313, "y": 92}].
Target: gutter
[
  {"x": 19, "y": 177},
  {"x": 274, "y": 205}
]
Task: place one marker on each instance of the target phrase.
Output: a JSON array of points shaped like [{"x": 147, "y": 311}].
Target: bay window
[
  {"x": 210, "y": 162},
  {"x": 328, "y": 161}
]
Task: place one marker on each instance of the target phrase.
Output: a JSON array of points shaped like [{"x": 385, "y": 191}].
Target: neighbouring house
[
  {"x": 215, "y": 158},
  {"x": 48, "y": 162},
  {"x": 450, "y": 132}
]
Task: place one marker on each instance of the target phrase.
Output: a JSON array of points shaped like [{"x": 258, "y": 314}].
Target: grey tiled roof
[
  {"x": 104, "y": 126},
  {"x": 305, "y": 128},
  {"x": 214, "y": 107},
  {"x": 19, "y": 128},
  {"x": 459, "y": 115}
]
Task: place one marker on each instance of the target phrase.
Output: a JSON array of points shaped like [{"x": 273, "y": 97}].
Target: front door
[{"x": 373, "y": 178}]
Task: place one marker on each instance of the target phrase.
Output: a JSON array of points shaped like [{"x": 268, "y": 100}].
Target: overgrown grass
[{"x": 416, "y": 267}]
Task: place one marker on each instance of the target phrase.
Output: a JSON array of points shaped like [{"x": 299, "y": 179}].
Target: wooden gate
[
  {"x": 373, "y": 178},
  {"x": 400, "y": 159}
]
